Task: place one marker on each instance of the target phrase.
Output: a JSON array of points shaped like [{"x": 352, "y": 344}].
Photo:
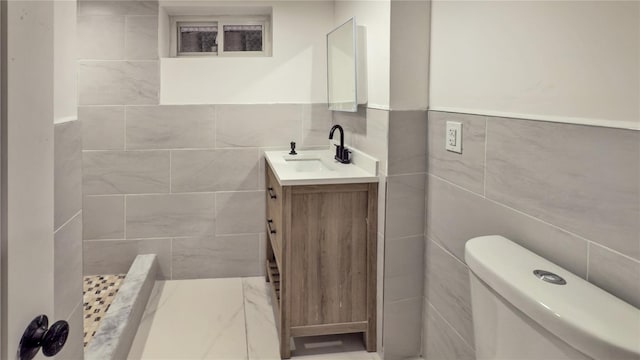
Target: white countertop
[{"x": 318, "y": 167}]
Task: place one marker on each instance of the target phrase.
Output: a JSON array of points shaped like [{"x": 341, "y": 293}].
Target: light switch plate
[{"x": 453, "y": 137}]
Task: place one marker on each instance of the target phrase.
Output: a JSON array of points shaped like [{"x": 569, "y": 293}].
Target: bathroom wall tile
[
  {"x": 67, "y": 171},
  {"x": 407, "y": 142},
  {"x": 466, "y": 169},
  {"x": 103, "y": 217},
  {"x": 102, "y": 127},
  {"x": 380, "y": 290},
  {"x": 441, "y": 341},
  {"x": 110, "y": 7},
  {"x": 214, "y": 170},
  {"x": 448, "y": 289},
  {"x": 316, "y": 123},
  {"x": 455, "y": 215},
  {"x": 216, "y": 256},
  {"x": 402, "y": 323},
  {"x": 366, "y": 130},
  {"x": 141, "y": 37},
  {"x": 74, "y": 347},
  {"x": 100, "y": 37},
  {"x": 405, "y": 205},
  {"x": 68, "y": 267},
  {"x": 258, "y": 125},
  {"x": 262, "y": 254},
  {"x": 170, "y": 127},
  {"x": 240, "y": 212},
  {"x": 404, "y": 268},
  {"x": 615, "y": 273},
  {"x": 580, "y": 178},
  {"x": 125, "y": 172},
  {"x": 382, "y": 203},
  {"x": 116, "y": 256},
  {"x": 118, "y": 82},
  {"x": 170, "y": 215}
]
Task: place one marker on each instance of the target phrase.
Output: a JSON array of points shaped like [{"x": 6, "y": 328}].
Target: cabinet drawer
[{"x": 274, "y": 213}]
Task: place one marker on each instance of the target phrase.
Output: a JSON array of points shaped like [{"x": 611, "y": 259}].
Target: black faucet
[{"x": 342, "y": 153}]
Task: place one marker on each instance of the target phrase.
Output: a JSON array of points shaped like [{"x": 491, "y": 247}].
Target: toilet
[{"x": 549, "y": 314}]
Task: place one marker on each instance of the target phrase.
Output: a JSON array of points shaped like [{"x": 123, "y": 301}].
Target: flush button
[{"x": 549, "y": 277}]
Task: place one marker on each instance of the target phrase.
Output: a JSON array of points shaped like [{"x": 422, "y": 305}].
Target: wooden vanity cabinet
[{"x": 321, "y": 259}]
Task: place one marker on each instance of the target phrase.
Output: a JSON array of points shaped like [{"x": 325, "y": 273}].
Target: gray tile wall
[
  {"x": 182, "y": 181},
  {"x": 570, "y": 193},
  {"x": 68, "y": 233}
]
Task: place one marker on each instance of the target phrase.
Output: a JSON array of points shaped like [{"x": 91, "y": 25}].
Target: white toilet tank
[{"x": 518, "y": 315}]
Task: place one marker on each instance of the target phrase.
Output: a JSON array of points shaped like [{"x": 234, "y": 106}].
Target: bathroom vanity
[{"x": 321, "y": 221}]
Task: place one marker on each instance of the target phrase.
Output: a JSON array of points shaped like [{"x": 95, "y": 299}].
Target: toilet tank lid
[{"x": 583, "y": 315}]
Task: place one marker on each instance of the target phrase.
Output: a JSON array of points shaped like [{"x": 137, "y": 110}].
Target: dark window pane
[
  {"x": 242, "y": 37},
  {"x": 198, "y": 38}
]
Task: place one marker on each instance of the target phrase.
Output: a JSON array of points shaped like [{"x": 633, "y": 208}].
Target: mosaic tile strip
[{"x": 98, "y": 293}]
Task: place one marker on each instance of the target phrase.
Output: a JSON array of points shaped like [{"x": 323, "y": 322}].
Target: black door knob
[{"x": 36, "y": 335}]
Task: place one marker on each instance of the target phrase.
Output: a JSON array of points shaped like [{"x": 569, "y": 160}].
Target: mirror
[{"x": 341, "y": 68}]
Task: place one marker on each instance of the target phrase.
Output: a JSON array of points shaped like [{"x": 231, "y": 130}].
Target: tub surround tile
[
  {"x": 214, "y": 170},
  {"x": 441, "y": 341},
  {"x": 262, "y": 337},
  {"x": 215, "y": 332},
  {"x": 125, "y": 172},
  {"x": 68, "y": 267},
  {"x": 400, "y": 316},
  {"x": 100, "y": 37},
  {"x": 103, "y": 217},
  {"x": 580, "y": 178},
  {"x": 455, "y": 215},
  {"x": 118, "y": 82},
  {"x": 170, "y": 215},
  {"x": 407, "y": 145},
  {"x": 240, "y": 212},
  {"x": 116, "y": 256},
  {"x": 615, "y": 273},
  {"x": 118, "y": 328},
  {"x": 448, "y": 289},
  {"x": 141, "y": 37},
  {"x": 102, "y": 127},
  {"x": 170, "y": 127},
  {"x": 405, "y": 205},
  {"x": 404, "y": 271},
  {"x": 258, "y": 125},
  {"x": 466, "y": 169},
  {"x": 67, "y": 171},
  {"x": 216, "y": 257}
]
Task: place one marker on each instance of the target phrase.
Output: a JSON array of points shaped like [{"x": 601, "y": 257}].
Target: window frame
[{"x": 221, "y": 21}]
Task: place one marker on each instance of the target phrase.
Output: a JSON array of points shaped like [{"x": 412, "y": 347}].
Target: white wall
[
  {"x": 571, "y": 61},
  {"x": 295, "y": 73},
  {"x": 375, "y": 16},
  {"x": 409, "y": 49},
  {"x": 65, "y": 61}
]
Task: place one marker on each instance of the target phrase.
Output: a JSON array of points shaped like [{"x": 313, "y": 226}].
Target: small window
[
  {"x": 197, "y": 38},
  {"x": 220, "y": 36}
]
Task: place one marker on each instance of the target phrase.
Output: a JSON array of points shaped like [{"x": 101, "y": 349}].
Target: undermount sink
[
  {"x": 316, "y": 167},
  {"x": 307, "y": 165}
]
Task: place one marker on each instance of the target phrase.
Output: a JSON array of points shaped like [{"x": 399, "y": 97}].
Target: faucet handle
[{"x": 293, "y": 149}]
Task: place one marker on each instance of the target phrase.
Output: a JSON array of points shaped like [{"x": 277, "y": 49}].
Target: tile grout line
[{"x": 246, "y": 324}]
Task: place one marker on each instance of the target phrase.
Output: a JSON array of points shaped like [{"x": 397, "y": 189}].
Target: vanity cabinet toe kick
[{"x": 321, "y": 259}]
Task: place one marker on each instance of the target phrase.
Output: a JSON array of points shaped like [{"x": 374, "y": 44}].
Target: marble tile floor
[
  {"x": 98, "y": 293},
  {"x": 227, "y": 319}
]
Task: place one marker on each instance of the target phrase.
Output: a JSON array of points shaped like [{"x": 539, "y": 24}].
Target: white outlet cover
[{"x": 453, "y": 137}]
